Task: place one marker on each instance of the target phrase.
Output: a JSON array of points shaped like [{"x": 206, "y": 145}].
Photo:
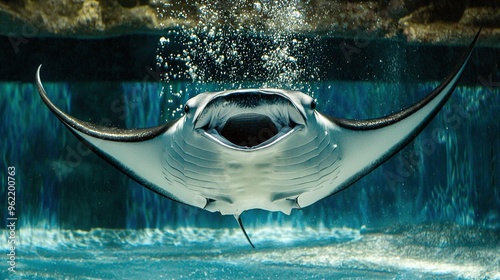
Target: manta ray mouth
[
  {"x": 249, "y": 120},
  {"x": 249, "y": 129}
]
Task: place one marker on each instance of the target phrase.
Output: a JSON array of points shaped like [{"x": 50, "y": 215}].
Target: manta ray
[{"x": 269, "y": 149}]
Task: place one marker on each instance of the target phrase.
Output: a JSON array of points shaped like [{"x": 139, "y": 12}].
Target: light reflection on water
[{"x": 426, "y": 251}]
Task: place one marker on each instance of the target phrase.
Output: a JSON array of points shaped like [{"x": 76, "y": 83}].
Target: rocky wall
[{"x": 443, "y": 21}]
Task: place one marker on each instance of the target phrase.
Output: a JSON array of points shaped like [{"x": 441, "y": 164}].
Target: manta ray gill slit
[{"x": 249, "y": 119}]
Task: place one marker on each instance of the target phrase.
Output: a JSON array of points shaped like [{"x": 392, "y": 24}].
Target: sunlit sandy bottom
[{"x": 444, "y": 251}]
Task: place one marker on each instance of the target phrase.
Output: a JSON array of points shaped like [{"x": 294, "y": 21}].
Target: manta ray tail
[{"x": 238, "y": 219}]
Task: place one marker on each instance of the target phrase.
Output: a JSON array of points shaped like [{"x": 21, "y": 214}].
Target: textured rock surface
[{"x": 447, "y": 21}]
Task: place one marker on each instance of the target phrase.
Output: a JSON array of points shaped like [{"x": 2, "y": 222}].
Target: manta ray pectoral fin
[
  {"x": 136, "y": 152},
  {"x": 238, "y": 220},
  {"x": 365, "y": 144}
]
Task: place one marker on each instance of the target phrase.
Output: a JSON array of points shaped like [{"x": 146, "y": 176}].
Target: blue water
[{"x": 431, "y": 211}]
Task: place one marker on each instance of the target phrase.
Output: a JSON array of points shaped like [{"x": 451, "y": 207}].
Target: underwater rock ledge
[{"x": 448, "y": 22}]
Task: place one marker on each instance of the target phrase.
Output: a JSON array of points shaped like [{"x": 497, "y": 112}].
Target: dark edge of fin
[
  {"x": 390, "y": 119},
  {"x": 295, "y": 202},
  {"x": 238, "y": 220},
  {"x": 101, "y": 132}
]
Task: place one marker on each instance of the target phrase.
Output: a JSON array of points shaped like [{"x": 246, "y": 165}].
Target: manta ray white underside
[{"x": 268, "y": 149}]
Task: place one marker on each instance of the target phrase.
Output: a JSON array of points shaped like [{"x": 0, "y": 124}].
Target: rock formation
[{"x": 445, "y": 21}]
